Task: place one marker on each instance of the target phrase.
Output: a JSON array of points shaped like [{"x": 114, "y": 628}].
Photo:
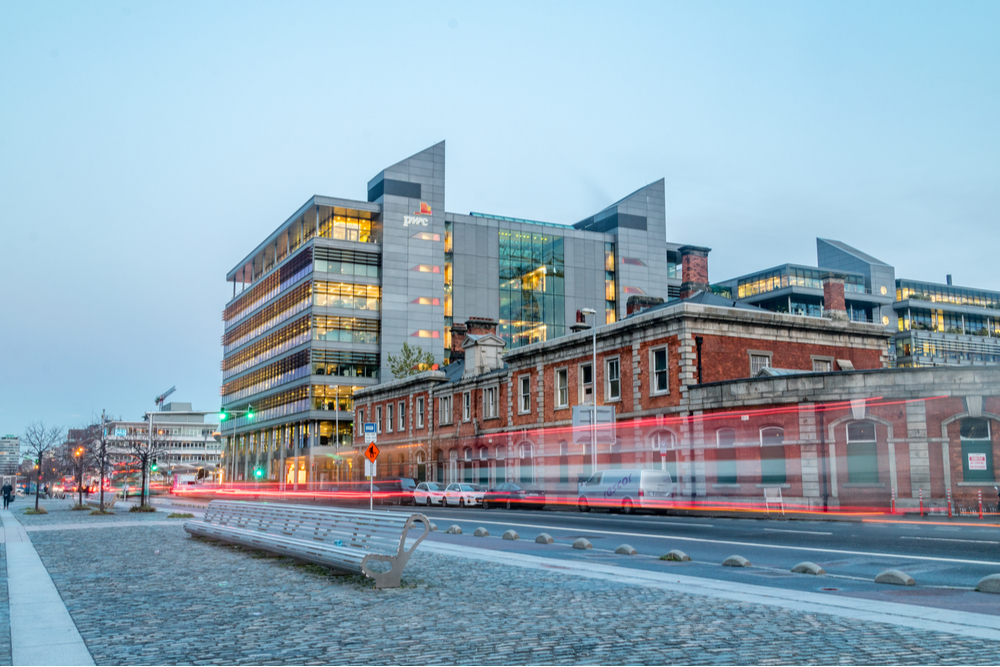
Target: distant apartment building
[
  {"x": 185, "y": 441},
  {"x": 10, "y": 454},
  {"x": 323, "y": 301},
  {"x": 933, "y": 324}
]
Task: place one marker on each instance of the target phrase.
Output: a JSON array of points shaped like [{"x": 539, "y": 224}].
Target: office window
[
  {"x": 444, "y": 408},
  {"x": 388, "y": 418},
  {"x": 378, "y": 419},
  {"x": 822, "y": 365},
  {"x": 562, "y": 388},
  {"x": 977, "y": 450},
  {"x": 758, "y": 362},
  {"x": 659, "y": 378},
  {"x": 586, "y": 376},
  {"x": 524, "y": 393},
  {"x": 612, "y": 382},
  {"x": 489, "y": 402},
  {"x": 420, "y": 412},
  {"x": 402, "y": 416},
  {"x": 862, "y": 454}
]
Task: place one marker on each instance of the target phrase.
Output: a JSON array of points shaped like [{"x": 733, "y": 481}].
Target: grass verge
[{"x": 180, "y": 515}]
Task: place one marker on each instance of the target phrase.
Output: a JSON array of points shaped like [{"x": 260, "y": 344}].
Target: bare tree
[
  {"x": 144, "y": 448},
  {"x": 39, "y": 439},
  {"x": 101, "y": 451},
  {"x": 79, "y": 454}
]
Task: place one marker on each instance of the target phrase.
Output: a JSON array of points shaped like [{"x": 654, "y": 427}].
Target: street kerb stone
[
  {"x": 989, "y": 584},
  {"x": 511, "y": 535},
  {"x": 433, "y": 526},
  {"x": 895, "y": 577},
  {"x": 544, "y": 538},
  {"x": 626, "y": 550},
  {"x": 736, "y": 561},
  {"x": 807, "y": 567},
  {"x": 454, "y": 529},
  {"x": 583, "y": 543},
  {"x": 676, "y": 555},
  {"x": 481, "y": 532}
]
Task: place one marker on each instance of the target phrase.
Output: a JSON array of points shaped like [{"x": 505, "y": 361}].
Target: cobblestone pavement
[{"x": 154, "y": 595}]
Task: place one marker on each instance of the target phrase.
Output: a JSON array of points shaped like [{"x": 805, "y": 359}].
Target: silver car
[
  {"x": 468, "y": 495},
  {"x": 428, "y": 493}
]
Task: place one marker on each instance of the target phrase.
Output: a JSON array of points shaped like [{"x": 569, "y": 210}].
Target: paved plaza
[{"x": 141, "y": 591}]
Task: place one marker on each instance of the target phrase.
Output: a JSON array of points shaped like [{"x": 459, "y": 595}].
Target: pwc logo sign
[{"x": 418, "y": 216}]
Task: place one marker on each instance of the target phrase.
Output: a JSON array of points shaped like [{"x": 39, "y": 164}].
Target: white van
[{"x": 626, "y": 490}]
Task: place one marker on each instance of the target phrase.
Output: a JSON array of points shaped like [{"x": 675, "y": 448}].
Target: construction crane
[{"x": 161, "y": 397}]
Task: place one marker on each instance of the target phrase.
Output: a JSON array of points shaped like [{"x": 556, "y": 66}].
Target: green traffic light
[
  {"x": 258, "y": 473},
  {"x": 154, "y": 467},
  {"x": 249, "y": 412},
  {"x": 223, "y": 416}
]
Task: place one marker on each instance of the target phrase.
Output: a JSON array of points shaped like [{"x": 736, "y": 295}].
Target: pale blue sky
[{"x": 145, "y": 148}]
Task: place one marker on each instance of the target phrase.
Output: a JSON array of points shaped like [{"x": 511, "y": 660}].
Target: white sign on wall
[{"x": 977, "y": 461}]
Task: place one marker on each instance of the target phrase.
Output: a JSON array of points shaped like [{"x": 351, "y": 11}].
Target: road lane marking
[
  {"x": 949, "y": 539},
  {"x": 803, "y": 532},
  {"x": 875, "y": 554}
]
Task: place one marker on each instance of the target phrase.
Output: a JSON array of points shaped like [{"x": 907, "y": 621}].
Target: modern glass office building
[
  {"x": 935, "y": 324},
  {"x": 341, "y": 284}
]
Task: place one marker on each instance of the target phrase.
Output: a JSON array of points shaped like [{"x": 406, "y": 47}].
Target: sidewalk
[{"x": 188, "y": 600}]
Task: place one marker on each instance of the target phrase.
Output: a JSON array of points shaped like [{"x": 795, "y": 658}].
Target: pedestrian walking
[{"x": 8, "y": 491}]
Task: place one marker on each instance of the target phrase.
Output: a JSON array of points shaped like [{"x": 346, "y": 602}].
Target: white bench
[
  {"x": 342, "y": 539},
  {"x": 772, "y": 496}
]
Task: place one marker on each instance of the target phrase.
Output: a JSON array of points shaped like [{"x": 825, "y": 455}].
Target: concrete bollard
[
  {"x": 676, "y": 555},
  {"x": 481, "y": 532},
  {"x": 736, "y": 561},
  {"x": 989, "y": 584},
  {"x": 454, "y": 529},
  {"x": 433, "y": 526},
  {"x": 626, "y": 550},
  {"x": 544, "y": 538},
  {"x": 895, "y": 577},
  {"x": 583, "y": 543},
  {"x": 511, "y": 535},
  {"x": 806, "y": 567}
]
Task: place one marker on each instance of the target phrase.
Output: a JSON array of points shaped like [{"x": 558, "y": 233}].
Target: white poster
[{"x": 977, "y": 461}]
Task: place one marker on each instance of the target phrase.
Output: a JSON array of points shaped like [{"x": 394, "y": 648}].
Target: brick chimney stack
[
  {"x": 694, "y": 270},
  {"x": 833, "y": 296},
  {"x": 480, "y": 326},
  {"x": 457, "y": 338}
]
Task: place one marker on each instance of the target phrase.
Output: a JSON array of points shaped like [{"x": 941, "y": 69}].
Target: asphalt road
[{"x": 935, "y": 555}]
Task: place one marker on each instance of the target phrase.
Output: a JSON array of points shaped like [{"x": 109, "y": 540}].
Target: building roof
[
  {"x": 768, "y": 371},
  {"x": 701, "y": 297},
  {"x": 840, "y": 245}
]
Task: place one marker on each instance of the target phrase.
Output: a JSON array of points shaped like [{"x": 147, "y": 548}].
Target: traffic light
[
  {"x": 249, "y": 412},
  {"x": 223, "y": 416},
  {"x": 258, "y": 472},
  {"x": 154, "y": 467}
]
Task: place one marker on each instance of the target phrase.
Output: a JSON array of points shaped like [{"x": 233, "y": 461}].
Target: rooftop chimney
[
  {"x": 694, "y": 270},
  {"x": 948, "y": 278},
  {"x": 457, "y": 338},
  {"x": 833, "y": 296},
  {"x": 480, "y": 326}
]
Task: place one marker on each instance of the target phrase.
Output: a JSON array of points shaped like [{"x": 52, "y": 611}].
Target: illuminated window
[
  {"x": 426, "y": 236},
  {"x": 426, "y": 268},
  {"x": 424, "y": 333},
  {"x": 427, "y": 301}
]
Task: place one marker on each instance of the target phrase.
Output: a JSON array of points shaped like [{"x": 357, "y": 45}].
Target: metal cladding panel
[{"x": 413, "y": 267}]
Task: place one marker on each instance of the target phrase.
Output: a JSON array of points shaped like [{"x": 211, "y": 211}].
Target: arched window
[
  {"x": 862, "y": 453},
  {"x": 484, "y": 467},
  {"x": 501, "y": 469},
  {"x": 524, "y": 463},
  {"x": 453, "y": 466},
  {"x": 467, "y": 454},
  {"x": 666, "y": 442},
  {"x": 977, "y": 450},
  {"x": 725, "y": 456},
  {"x": 772, "y": 455}
]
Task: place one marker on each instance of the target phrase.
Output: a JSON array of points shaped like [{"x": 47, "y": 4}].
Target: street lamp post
[{"x": 593, "y": 385}]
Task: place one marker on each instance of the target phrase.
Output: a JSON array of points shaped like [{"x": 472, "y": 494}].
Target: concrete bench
[
  {"x": 342, "y": 539},
  {"x": 94, "y": 500}
]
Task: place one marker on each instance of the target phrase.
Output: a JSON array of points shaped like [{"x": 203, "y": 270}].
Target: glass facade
[
  {"x": 344, "y": 295},
  {"x": 344, "y": 228},
  {"x": 449, "y": 261},
  {"x": 909, "y": 289},
  {"x": 793, "y": 276},
  {"x": 532, "y": 296},
  {"x": 610, "y": 294}
]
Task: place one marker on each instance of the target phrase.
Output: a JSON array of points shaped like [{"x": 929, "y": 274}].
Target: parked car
[
  {"x": 468, "y": 495},
  {"x": 511, "y": 496},
  {"x": 428, "y": 493},
  {"x": 396, "y": 491},
  {"x": 626, "y": 490}
]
